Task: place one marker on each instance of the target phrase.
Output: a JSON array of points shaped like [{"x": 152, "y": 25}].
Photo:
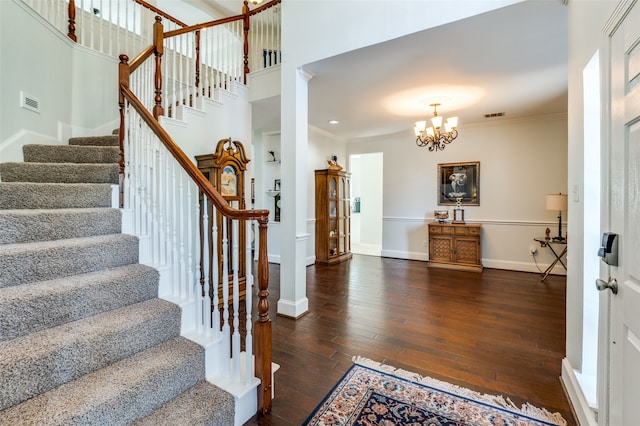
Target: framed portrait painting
[{"x": 459, "y": 182}]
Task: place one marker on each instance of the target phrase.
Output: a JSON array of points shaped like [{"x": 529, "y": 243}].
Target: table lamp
[{"x": 557, "y": 202}]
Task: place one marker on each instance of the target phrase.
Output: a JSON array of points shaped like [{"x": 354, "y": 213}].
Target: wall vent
[
  {"x": 29, "y": 102},
  {"x": 494, "y": 114}
]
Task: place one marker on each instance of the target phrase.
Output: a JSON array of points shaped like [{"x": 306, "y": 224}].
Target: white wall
[
  {"x": 322, "y": 146},
  {"x": 518, "y": 168},
  {"x": 77, "y": 88},
  {"x": 330, "y": 33}
]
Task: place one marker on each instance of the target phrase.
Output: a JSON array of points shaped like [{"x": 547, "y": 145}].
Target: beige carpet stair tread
[
  {"x": 33, "y": 307},
  {"x": 118, "y": 394}
]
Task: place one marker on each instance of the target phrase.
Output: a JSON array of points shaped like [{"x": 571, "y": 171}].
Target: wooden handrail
[
  {"x": 221, "y": 21},
  {"x": 160, "y": 12},
  {"x": 139, "y": 60},
  {"x": 264, "y": 6},
  {"x": 196, "y": 27}
]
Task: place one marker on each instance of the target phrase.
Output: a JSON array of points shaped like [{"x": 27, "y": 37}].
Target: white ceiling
[{"x": 511, "y": 60}]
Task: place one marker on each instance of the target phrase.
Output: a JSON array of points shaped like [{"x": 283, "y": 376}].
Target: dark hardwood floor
[{"x": 499, "y": 332}]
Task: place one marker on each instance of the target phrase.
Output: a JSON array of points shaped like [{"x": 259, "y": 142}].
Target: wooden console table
[{"x": 455, "y": 246}]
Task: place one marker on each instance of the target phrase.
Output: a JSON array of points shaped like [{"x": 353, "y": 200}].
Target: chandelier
[{"x": 432, "y": 137}]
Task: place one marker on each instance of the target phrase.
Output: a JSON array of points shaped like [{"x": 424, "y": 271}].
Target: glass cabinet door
[{"x": 332, "y": 188}]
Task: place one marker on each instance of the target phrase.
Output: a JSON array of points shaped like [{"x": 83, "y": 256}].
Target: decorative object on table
[
  {"x": 441, "y": 215},
  {"x": 458, "y": 212},
  {"x": 547, "y": 234},
  {"x": 333, "y": 165},
  {"x": 459, "y": 180},
  {"x": 273, "y": 156},
  {"x": 276, "y": 185},
  {"x": 374, "y": 393},
  {"x": 432, "y": 137},
  {"x": 557, "y": 202}
]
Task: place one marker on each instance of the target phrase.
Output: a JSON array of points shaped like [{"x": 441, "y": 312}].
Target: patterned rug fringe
[{"x": 498, "y": 400}]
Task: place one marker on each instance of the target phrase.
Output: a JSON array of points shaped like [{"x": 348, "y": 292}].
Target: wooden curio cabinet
[
  {"x": 225, "y": 169},
  {"x": 455, "y": 246},
  {"x": 333, "y": 216}
]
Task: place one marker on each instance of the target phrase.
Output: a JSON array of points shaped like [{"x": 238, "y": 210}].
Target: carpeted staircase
[{"x": 84, "y": 338}]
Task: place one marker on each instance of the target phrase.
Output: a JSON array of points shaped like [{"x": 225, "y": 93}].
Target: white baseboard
[
  {"x": 293, "y": 309},
  {"x": 586, "y": 416},
  {"x": 397, "y": 254},
  {"x": 521, "y": 266}
]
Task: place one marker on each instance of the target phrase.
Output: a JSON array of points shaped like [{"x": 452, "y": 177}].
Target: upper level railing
[{"x": 207, "y": 55}]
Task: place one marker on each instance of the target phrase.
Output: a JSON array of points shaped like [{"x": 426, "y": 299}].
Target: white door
[{"x": 623, "y": 402}]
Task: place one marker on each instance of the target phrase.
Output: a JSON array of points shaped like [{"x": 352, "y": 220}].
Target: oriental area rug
[{"x": 371, "y": 393}]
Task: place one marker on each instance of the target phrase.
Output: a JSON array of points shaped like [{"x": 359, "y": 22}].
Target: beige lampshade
[{"x": 557, "y": 202}]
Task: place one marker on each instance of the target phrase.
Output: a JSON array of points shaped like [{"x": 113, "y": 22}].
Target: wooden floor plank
[{"x": 498, "y": 332}]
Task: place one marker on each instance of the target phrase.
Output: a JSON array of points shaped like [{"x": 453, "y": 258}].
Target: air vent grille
[
  {"x": 494, "y": 114},
  {"x": 29, "y": 102}
]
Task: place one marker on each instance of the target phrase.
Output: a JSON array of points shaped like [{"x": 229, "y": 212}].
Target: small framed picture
[
  {"x": 458, "y": 216},
  {"x": 276, "y": 185}
]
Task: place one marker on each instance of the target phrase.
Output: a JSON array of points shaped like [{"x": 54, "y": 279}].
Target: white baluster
[
  {"x": 190, "y": 248},
  {"x": 206, "y": 265},
  {"x": 248, "y": 345},
  {"x": 203, "y": 291},
  {"x": 178, "y": 231},
  {"x": 147, "y": 186},
  {"x": 159, "y": 208},
  {"x": 189, "y": 65},
  {"x": 236, "y": 301},
  {"x": 216, "y": 276},
  {"x": 173, "y": 247},
  {"x": 226, "y": 338},
  {"x": 174, "y": 60},
  {"x": 118, "y": 30}
]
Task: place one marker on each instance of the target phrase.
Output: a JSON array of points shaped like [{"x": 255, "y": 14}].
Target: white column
[{"x": 294, "y": 140}]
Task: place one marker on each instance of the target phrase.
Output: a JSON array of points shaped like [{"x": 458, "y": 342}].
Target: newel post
[
  {"x": 72, "y": 21},
  {"x": 158, "y": 45},
  {"x": 263, "y": 323},
  {"x": 123, "y": 81},
  {"x": 246, "y": 19}
]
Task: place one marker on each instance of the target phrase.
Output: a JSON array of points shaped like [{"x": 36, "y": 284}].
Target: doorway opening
[{"x": 366, "y": 203}]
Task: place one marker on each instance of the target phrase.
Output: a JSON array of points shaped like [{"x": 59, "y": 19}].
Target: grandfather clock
[{"x": 225, "y": 169}]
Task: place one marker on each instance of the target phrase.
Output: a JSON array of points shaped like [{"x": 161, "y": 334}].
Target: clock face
[{"x": 229, "y": 182}]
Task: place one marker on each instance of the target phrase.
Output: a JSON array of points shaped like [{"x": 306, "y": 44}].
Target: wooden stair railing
[
  {"x": 262, "y": 326},
  {"x": 150, "y": 112}
]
